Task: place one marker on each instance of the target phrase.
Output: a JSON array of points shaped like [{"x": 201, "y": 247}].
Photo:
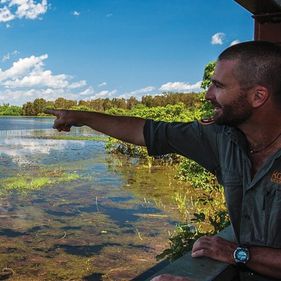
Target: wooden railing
[{"x": 197, "y": 269}]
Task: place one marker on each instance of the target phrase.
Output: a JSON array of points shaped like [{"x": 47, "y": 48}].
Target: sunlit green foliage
[
  {"x": 210, "y": 217},
  {"x": 199, "y": 177},
  {"x": 36, "y": 181},
  {"x": 206, "y": 107},
  {"x": 10, "y": 110},
  {"x": 208, "y": 73}
]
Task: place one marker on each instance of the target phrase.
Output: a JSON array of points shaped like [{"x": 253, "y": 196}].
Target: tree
[
  {"x": 132, "y": 102},
  {"x": 64, "y": 103},
  {"x": 28, "y": 109},
  {"x": 39, "y": 106},
  {"x": 207, "y": 108},
  {"x": 208, "y": 73}
]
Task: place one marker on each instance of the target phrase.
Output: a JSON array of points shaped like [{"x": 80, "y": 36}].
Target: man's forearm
[
  {"x": 266, "y": 261},
  {"x": 128, "y": 129}
]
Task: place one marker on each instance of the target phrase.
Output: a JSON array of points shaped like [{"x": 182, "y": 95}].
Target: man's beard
[{"x": 233, "y": 114}]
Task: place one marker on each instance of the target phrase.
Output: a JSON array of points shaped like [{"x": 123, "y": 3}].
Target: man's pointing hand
[{"x": 65, "y": 119}]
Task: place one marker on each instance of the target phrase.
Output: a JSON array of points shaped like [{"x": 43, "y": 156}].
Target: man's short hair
[{"x": 259, "y": 63}]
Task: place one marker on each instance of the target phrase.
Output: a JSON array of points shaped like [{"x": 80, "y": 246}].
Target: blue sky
[{"x": 86, "y": 49}]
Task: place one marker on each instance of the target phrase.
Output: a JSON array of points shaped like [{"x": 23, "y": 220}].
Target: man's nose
[{"x": 210, "y": 93}]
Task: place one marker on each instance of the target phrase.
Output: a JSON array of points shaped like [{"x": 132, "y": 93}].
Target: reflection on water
[
  {"x": 105, "y": 224},
  {"x": 27, "y": 123}
]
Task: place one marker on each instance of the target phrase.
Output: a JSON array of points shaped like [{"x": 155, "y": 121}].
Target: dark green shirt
[{"x": 254, "y": 204}]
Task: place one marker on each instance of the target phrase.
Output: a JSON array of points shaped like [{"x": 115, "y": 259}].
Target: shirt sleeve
[{"x": 193, "y": 140}]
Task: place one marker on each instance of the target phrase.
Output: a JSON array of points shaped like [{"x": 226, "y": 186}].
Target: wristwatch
[{"x": 241, "y": 255}]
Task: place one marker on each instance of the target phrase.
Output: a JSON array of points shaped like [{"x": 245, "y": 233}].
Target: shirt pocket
[{"x": 233, "y": 189}]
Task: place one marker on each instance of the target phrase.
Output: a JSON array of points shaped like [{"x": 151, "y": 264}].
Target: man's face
[{"x": 231, "y": 105}]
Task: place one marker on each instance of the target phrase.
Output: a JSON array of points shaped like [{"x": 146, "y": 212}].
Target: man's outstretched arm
[{"x": 128, "y": 129}]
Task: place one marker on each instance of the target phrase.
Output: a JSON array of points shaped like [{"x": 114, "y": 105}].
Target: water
[{"x": 71, "y": 211}]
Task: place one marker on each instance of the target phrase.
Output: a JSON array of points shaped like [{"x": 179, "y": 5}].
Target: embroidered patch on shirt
[{"x": 276, "y": 177}]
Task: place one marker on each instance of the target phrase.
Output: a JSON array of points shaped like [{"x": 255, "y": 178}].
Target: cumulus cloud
[
  {"x": 181, "y": 87},
  {"x": 103, "y": 94},
  {"x": 22, "y": 67},
  {"x": 18, "y": 9},
  {"x": 76, "y": 13},
  {"x": 234, "y": 42},
  {"x": 6, "y": 15},
  {"x": 138, "y": 93},
  {"x": 27, "y": 79},
  {"x": 217, "y": 39}
]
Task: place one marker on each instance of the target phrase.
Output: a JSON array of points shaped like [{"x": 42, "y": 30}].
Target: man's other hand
[{"x": 214, "y": 247}]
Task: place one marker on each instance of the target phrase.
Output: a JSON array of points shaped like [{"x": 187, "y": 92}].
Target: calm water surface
[{"x": 71, "y": 211}]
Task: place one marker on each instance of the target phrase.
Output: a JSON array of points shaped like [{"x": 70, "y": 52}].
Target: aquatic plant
[{"x": 210, "y": 216}]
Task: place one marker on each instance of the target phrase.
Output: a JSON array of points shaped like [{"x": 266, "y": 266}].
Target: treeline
[
  {"x": 10, "y": 110},
  {"x": 37, "y": 107}
]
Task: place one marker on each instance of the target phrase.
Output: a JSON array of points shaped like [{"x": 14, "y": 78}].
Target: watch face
[{"x": 241, "y": 255}]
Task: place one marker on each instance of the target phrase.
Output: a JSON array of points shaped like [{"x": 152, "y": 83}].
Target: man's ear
[{"x": 260, "y": 95}]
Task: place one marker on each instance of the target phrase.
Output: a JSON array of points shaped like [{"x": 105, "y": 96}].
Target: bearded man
[{"x": 241, "y": 145}]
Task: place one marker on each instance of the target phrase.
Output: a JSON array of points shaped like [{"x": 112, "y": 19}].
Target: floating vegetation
[{"x": 36, "y": 181}]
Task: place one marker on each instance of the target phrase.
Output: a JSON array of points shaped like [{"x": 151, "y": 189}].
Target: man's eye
[{"x": 217, "y": 85}]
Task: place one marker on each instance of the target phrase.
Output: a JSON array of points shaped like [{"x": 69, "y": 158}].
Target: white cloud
[
  {"x": 234, "y": 42},
  {"x": 78, "y": 84},
  {"x": 9, "y": 55},
  {"x": 76, "y": 13},
  {"x": 6, "y": 57},
  {"x": 102, "y": 84},
  {"x": 138, "y": 93},
  {"x": 142, "y": 91},
  {"x": 39, "y": 79},
  {"x": 28, "y": 9},
  {"x": 23, "y": 66},
  {"x": 6, "y": 15},
  {"x": 217, "y": 39},
  {"x": 181, "y": 87},
  {"x": 27, "y": 79},
  {"x": 104, "y": 94},
  {"x": 86, "y": 93}
]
